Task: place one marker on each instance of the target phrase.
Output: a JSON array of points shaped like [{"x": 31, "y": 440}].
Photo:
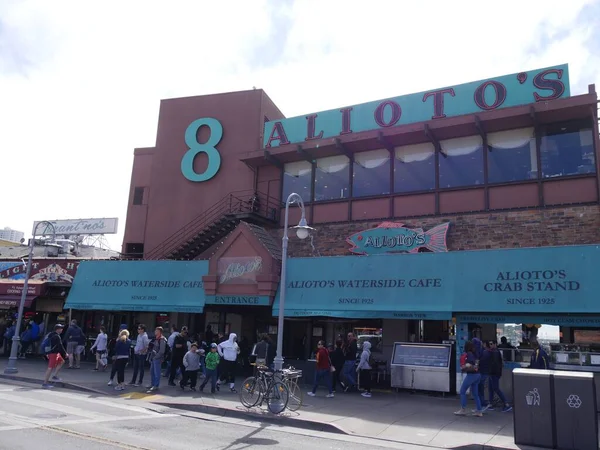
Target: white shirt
[{"x": 101, "y": 342}]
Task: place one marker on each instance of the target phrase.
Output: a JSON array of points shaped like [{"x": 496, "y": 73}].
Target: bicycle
[
  {"x": 290, "y": 379},
  {"x": 265, "y": 387}
]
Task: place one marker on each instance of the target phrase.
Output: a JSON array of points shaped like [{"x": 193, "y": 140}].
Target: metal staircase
[{"x": 216, "y": 222}]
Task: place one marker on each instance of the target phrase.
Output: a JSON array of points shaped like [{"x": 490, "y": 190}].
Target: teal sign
[
  {"x": 529, "y": 281},
  {"x": 562, "y": 320},
  {"x": 251, "y": 300},
  {"x": 393, "y": 237},
  {"x": 161, "y": 286},
  {"x": 195, "y": 148},
  {"x": 522, "y": 88}
]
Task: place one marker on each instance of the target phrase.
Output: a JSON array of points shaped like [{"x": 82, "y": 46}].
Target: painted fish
[{"x": 393, "y": 237}]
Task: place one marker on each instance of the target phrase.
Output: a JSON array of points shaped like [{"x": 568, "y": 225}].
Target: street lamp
[
  {"x": 11, "y": 367},
  {"x": 302, "y": 231}
]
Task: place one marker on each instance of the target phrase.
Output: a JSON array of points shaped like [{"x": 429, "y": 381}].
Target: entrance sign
[
  {"x": 250, "y": 300},
  {"x": 393, "y": 237},
  {"x": 522, "y": 88},
  {"x": 195, "y": 148}
]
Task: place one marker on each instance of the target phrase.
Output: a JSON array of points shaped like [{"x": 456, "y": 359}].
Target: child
[
  {"x": 191, "y": 362},
  {"x": 211, "y": 361}
]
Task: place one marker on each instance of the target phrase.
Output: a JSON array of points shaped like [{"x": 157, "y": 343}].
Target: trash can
[
  {"x": 575, "y": 410},
  {"x": 533, "y": 407}
]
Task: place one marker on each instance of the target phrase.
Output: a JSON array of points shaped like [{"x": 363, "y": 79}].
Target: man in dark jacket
[
  {"x": 350, "y": 352},
  {"x": 496, "y": 364},
  {"x": 56, "y": 356},
  {"x": 539, "y": 357},
  {"x": 179, "y": 350},
  {"x": 74, "y": 337},
  {"x": 264, "y": 351}
]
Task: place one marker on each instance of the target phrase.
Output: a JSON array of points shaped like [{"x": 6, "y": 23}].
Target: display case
[
  {"x": 575, "y": 357},
  {"x": 421, "y": 366}
]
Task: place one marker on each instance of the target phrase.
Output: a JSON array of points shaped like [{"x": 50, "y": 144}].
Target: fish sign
[{"x": 393, "y": 237}]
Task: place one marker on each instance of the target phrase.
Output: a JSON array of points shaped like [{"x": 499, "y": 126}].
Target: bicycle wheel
[
  {"x": 295, "y": 400},
  {"x": 277, "y": 397},
  {"x": 251, "y": 392}
]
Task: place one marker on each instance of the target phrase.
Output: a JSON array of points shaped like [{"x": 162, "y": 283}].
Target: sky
[{"x": 81, "y": 81}]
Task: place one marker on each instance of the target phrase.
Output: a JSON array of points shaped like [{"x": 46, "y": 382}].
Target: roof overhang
[{"x": 577, "y": 107}]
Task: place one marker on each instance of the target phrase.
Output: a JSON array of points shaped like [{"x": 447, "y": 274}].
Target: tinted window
[
  {"x": 461, "y": 162},
  {"x": 297, "y": 178},
  {"x": 414, "y": 168},
  {"x": 512, "y": 156},
  {"x": 371, "y": 173},
  {"x": 568, "y": 149},
  {"x": 332, "y": 178}
]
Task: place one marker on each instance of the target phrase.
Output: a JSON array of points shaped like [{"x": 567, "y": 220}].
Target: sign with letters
[
  {"x": 393, "y": 237},
  {"x": 540, "y": 281},
  {"x": 239, "y": 270},
  {"x": 60, "y": 270},
  {"x": 250, "y": 300},
  {"x": 160, "y": 286},
  {"x": 76, "y": 227},
  {"x": 521, "y": 88}
]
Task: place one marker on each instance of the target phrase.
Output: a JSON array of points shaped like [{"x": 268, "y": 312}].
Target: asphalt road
[{"x": 33, "y": 418}]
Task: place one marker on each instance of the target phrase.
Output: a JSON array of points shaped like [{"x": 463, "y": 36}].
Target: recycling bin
[
  {"x": 575, "y": 410},
  {"x": 533, "y": 404}
]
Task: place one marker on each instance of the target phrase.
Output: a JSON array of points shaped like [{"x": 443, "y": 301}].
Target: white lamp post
[
  {"x": 302, "y": 231},
  {"x": 11, "y": 367}
]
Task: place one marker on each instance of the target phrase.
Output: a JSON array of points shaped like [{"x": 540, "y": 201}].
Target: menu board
[{"x": 424, "y": 355}]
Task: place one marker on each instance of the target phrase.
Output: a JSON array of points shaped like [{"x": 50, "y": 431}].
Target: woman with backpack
[{"x": 469, "y": 365}]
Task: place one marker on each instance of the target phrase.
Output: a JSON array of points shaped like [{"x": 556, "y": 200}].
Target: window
[
  {"x": 461, "y": 162},
  {"x": 414, "y": 168},
  {"x": 568, "y": 149},
  {"x": 138, "y": 196},
  {"x": 332, "y": 178},
  {"x": 371, "y": 173},
  {"x": 297, "y": 178},
  {"x": 134, "y": 249},
  {"x": 512, "y": 156}
]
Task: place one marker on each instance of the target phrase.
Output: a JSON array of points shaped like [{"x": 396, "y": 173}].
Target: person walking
[
  {"x": 122, "y": 351},
  {"x": 179, "y": 350},
  {"x": 350, "y": 352},
  {"x": 229, "y": 351},
  {"x": 211, "y": 363},
  {"x": 156, "y": 355},
  {"x": 539, "y": 357},
  {"x": 171, "y": 342},
  {"x": 496, "y": 365},
  {"x": 140, "y": 354},
  {"x": 73, "y": 338},
  {"x": 191, "y": 362},
  {"x": 364, "y": 369},
  {"x": 56, "y": 356},
  {"x": 337, "y": 360},
  {"x": 100, "y": 346},
  {"x": 323, "y": 371},
  {"x": 469, "y": 365}
]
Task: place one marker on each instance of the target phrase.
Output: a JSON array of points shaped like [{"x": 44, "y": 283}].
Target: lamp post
[
  {"x": 11, "y": 367},
  {"x": 302, "y": 231}
]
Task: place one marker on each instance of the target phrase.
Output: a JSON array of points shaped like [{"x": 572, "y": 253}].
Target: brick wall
[{"x": 526, "y": 228}]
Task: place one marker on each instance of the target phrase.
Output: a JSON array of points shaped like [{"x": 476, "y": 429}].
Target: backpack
[
  {"x": 168, "y": 350},
  {"x": 46, "y": 345}
]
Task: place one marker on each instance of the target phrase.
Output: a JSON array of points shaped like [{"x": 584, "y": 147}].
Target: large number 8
[{"x": 195, "y": 148}]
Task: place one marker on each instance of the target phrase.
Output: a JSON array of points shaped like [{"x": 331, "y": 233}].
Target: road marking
[
  {"x": 52, "y": 406},
  {"x": 141, "y": 396},
  {"x": 98, "y": 401}
]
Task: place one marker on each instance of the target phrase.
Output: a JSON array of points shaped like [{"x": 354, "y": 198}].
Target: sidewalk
[{"x": 413, "y": 419}]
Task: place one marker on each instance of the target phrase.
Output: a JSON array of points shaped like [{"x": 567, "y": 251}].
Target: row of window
[{"x": 565, "y": 149}]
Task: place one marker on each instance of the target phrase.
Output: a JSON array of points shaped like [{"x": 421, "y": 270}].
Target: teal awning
[
  {"x": 526, "y": 281},
  {"x": 171, "y": 286}
]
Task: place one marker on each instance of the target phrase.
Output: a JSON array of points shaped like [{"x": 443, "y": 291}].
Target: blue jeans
[
  {"x": 481, "y": 390},
  {"x": 139, "y": 363},
  {"x": 472, "y": 381},
  {"x": 494, "y": 386},
  {"x": 350, "y": 373},
  {"x": 155, "y": 372},
  {"x": 319, "y": 375},
  {"x": 211, "y": 374}
]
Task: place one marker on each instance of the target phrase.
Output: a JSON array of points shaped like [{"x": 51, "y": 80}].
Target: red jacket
[{"x": 322, "y": 359}]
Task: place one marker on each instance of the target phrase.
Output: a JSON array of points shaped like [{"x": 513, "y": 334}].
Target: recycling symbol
[{"x": 574, "y": 401}]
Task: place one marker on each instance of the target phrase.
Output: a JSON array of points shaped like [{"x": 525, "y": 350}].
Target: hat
[
  {"x": 58, "y": 325},
  {"x": 213, "y": 345}
]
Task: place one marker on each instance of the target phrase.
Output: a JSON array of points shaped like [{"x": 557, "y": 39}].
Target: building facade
[
  {"x": 427, "y": 208},
  {"x": 8, "y": 234}
]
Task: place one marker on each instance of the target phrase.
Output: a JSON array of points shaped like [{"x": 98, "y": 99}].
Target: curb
[
  {"x": 60, "y": 384},
  {"x": 260, "y": 417}
]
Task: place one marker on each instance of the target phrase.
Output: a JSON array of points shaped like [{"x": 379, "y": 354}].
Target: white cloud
[{"x": 80, "y": 82}]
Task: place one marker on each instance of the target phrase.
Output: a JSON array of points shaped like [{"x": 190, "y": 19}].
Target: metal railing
[{"x": 239, "y": 202}]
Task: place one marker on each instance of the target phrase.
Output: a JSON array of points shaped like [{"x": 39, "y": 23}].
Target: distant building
[{"x": 8, "y": 234}]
